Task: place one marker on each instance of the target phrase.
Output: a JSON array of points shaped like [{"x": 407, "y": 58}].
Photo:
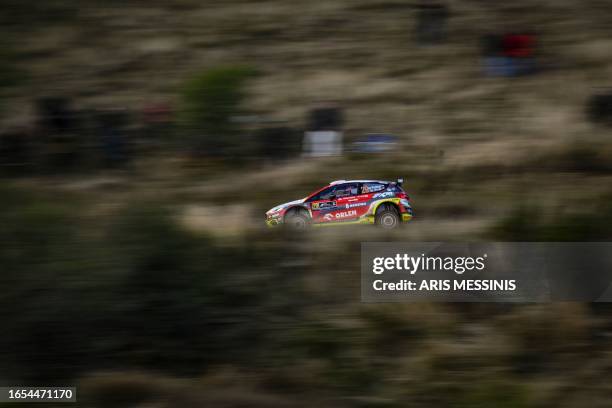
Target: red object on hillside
[
  {"x": 157, "y": 113},
  {"x": 519, "y": 45}
]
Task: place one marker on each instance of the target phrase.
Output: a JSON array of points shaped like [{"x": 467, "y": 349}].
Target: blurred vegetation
[
  {"x": 11, "y": 74},
  {"x": 211, "y": 104},
  {"x": 107, "y": 273},
  {"x": 500, "y": 395},
  {"x": 526, "y": 223},
  {"x": 143, "y": 292},
  {"x": 251, "y": 321},
  {"x": 17, "y": 13}
]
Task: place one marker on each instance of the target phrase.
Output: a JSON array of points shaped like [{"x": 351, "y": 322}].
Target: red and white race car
[{"x": 383, "y": 203}]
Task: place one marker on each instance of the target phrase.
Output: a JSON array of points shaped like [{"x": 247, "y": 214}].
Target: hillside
[{"x": 162, "y": 273}]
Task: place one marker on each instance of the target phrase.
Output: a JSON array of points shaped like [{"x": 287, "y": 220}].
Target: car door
[
  {"x": 347, "y": 208},
  {"x": 322, "y": 204},
  {"x": 329, "y": 205},
  {"x": 359, "y": 202}
]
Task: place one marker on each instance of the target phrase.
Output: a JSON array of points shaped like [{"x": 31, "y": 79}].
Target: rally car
[{"x": 377, "y": 202}]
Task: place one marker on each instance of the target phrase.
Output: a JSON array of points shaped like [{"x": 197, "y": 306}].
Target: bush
[
  {"x": 501, "y": 394},
  {"x": 40, "y": 258},
  {"x": 210, "y": 103},
  {"x": 146, "y": 294},
  {"x": 528, "y": 224},
  {"x": 11, "y": 75}
]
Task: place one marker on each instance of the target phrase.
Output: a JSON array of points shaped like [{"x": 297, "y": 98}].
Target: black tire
[
  {"x": 387, "y": 217},
  {"x": 297, "y": 220}
]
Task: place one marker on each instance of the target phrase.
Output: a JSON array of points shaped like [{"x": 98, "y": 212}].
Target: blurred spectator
[
  {"x": 519, "y": 45},
  {"x": 56, "y": 115},
  {"x": 509, "y": 55},
  {"x": 15, "y": 151},
  {"x": 158, "y": 120},
  {"x": 323, "y": 143},
  {"x": 375, "y": 143},
  {"x": 325, "y": 118},
  {"x": 431, "y": 23},
  {"x": 58, "y": 127},
  {"x": 278, "y": 142},
  {"x": 112, "y": 136},
  {"x": 324, "y": 135},
  {"x": 157, "y": 113},
  {"x": 599, "y": 108}
]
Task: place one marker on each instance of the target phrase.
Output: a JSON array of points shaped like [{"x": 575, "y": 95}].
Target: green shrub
[
  {"x": 11, "y": 76},
  {"x": 519, "y": 225},
  {"x": 41, "y": 258},
  {"x": 39, "y": 13},
  {"x": 210, "y": 102},
  {"x": 580, "y": 157},
  {"x": 494, "y": 394},
  {"x": 528, "y": 224}
]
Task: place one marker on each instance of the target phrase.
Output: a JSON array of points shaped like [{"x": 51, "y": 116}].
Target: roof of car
[{"x": 356, "y": 181}]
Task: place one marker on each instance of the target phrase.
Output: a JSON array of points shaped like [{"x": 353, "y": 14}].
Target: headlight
[
  {"x": 274, "y": 212},
  {"x": 405, "y": 202}
]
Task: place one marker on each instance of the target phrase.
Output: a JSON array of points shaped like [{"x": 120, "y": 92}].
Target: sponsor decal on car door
[
  {"x": 349, "y": 207},
  {"x": 334, "y": 208},
  {"x": 360, "y": 203},
  {"x": 341, "y": 212},
  {"x": 321, "y": 208}
]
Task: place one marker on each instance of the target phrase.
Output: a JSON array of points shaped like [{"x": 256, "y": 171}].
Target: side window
[
  {"x": 346, "y": 190},
  {"x": 339, "y": 191},
  {"x": 328, "y": 193},
  {"x": 323, "y": 195},
  {"x": 372, "y": 187}
]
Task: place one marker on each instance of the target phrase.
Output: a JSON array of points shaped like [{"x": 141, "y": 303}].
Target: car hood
[{"x": 285, "y": 205}]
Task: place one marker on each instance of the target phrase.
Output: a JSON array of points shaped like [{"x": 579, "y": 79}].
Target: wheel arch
[
  {"x": 296, "y": 208},
  {"x": 385, "y": 203}
]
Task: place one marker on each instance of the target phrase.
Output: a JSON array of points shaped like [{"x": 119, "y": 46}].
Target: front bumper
[{"x": 274, "y": 220}]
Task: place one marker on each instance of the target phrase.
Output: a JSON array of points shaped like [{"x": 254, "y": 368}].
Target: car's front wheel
[
  {"x": 297, "y": 220},
  {"x": 387, "y": 217}
]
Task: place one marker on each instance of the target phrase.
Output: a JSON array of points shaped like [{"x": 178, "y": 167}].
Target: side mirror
[{"x": 400, "y": 181}]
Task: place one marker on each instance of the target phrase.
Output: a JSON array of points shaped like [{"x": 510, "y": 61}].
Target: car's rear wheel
[
  {"x": 297, "y": 220},
  {"x": 387, "y": 217}
]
